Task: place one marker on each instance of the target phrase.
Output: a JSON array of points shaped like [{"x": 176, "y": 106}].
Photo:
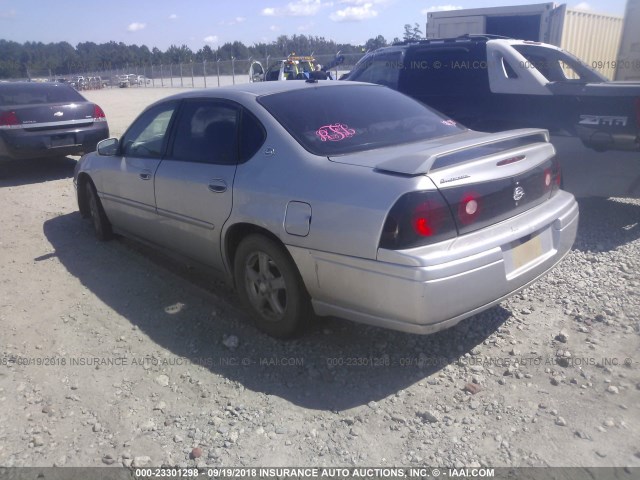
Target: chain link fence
[{"x": 182, "y": 75}]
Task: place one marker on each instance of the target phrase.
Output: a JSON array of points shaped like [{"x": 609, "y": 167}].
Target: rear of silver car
[{"x": 485, "y": 219}]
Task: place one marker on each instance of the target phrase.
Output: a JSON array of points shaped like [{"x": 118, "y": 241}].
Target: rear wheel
[
  {"x": 101, "y": 224},
  {"x": 269, "y": 283}
]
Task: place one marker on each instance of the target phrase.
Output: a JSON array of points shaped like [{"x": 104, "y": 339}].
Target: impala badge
[
  {"x": 518, "y": 193},
  {"x": 58, "y": 114}
]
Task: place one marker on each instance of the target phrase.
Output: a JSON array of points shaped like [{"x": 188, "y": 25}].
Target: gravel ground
[{"x": 111, "y": 354}]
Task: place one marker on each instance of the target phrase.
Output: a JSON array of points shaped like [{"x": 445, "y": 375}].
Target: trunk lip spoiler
[{"x": 422, "y": 162}]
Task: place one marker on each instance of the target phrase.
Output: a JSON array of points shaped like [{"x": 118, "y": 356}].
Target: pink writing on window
[
  {"x": 450, "y": 123},
  {"x": 335, "y": 132}
]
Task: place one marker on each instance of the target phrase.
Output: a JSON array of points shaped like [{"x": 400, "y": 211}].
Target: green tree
[
  {"x": 157, "y": 57},
  {"x": 375, "y": 43},
  {"x": 176, "y": 54},
  {"x": 417, "y": 33},
  {"x": 412, "y": 33}
]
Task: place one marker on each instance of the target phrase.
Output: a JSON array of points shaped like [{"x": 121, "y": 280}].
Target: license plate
[
  {"x": 526, "y": 252},
  {"x": 62, "y": 140}
]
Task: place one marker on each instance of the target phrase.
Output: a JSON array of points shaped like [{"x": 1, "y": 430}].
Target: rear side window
[
  {"x": 33, "y": 94},
  {"x": 252, "y": 136},
  {"x": 381, "y": 68},
  {"x": 206, "y": 132},
  {"x": 348, "y": 118},
  {"x": 556, "y": 65},
  {"x": 454, "y": 70}
]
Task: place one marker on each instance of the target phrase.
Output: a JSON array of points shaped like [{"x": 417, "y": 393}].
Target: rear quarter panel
[{"x": 349, "y": 203}]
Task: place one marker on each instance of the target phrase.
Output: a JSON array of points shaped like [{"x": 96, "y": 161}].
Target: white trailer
[
  {"x": 592, "y": 37},
  {"x": 628, "y": 65}
]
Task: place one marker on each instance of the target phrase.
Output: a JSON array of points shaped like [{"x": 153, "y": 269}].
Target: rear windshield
[
  {"x": 33, "y": 94},
  {"x": 341, "y": 119}
]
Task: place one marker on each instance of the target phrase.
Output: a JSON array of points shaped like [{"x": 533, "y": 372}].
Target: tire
[
  {"x": 101, "y": 224},
  {"x": 269, "y": 283}
]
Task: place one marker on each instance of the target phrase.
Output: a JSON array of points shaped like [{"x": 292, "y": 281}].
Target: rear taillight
[
  {"x": 469, "y": 208},
  {"x": 98, "y": 114},
  {"x": 417, "y": 219},
  {"x": 547, "y": 179},
  {"x": 9, "y": 119},
  {"x": 556, "y": 176},
  {"x": 551, "y": 177}
]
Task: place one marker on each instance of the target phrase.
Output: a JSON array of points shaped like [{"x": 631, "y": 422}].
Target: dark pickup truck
[{"x": 492, "y": 83}]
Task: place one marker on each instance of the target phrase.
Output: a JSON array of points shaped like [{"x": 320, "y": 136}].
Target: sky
[{"x": 195, "y": 23}]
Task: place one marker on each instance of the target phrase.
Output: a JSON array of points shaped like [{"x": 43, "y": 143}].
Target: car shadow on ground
[
  {"x": 606, "y": 224},
  {"x": 27, "y": 172},
  {"x": 337, "y": 365}
]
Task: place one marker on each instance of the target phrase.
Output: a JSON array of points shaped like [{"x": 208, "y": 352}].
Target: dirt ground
[{"x": 112, "y": 354}]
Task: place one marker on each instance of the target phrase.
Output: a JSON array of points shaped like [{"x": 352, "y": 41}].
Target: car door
[
  {"x": 274, "y": 73},
  {"x": 194, "y": 183},
  {"x": 256, "y": 72},
  {"x": 127, "y": 178}
]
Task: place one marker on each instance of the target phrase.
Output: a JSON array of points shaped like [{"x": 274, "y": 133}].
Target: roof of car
[
  {"x": 252, "y": 90},
  {"x": 476, "y": 38},
  {"x": 34, "y": 85},
  {"x": 462, "y": 39},
  {"x": 468, "y": 39}
]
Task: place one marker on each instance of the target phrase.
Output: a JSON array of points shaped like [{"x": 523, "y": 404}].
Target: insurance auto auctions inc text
[{"x": 342, "y": 473}]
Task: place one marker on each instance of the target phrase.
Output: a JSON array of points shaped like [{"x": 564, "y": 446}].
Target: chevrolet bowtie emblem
[{"x": 518, "y": 193}]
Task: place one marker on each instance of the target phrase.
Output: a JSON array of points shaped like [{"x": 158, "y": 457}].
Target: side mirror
[{"x": 108, "y": 147}]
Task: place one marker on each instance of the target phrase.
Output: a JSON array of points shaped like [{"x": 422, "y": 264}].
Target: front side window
[
  {"x": 346, "y": 118},
  {"x": 207, "y": 132},
  {"x": 147, "y": 135}
]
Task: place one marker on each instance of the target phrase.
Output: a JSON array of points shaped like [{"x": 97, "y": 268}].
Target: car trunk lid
[{"x": 482, "y": 182}]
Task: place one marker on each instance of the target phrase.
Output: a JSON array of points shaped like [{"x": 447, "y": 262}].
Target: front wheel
[
  {"x": 268, "y": 281},
  {"x": 101, "y": 223}
]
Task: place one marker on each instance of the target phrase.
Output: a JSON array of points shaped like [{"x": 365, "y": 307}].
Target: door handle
[
  {"x": 217, "y": 185},
  {"x": 145, "y": 175}
]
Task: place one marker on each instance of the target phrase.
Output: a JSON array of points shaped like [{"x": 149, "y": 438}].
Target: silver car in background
[{"x": 348, "y": 200}]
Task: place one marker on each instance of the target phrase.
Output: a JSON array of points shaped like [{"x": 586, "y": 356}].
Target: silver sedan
[{"x": 348, "y": 200}]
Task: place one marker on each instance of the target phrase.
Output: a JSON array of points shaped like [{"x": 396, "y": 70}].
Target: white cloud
[
  {"x": 173, "y": 16},
  {"x": 362, "y": 11},
  {"x": 274, "y": 28},
  {"x": 357, "y": 10},
  {"x": 582, "y": 6},
  {"x": 441, "y": 8},
  {"x": 300, "y": 8},
  {"x": 363, "y": 2},
  {"x": 211, "y": 39},
  {"x": 136, "y": 26}
]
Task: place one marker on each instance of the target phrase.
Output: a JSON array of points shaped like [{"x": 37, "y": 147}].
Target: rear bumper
[
  {"x": 20, "y": 144},
  {"x": 432, "y": 288}
]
